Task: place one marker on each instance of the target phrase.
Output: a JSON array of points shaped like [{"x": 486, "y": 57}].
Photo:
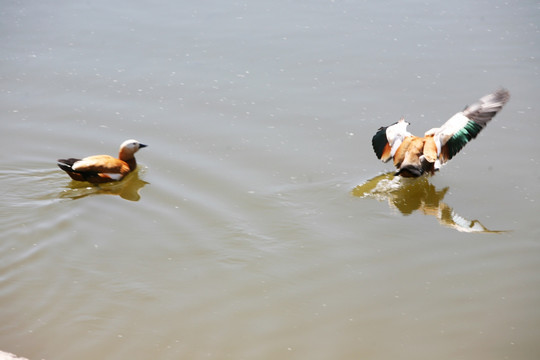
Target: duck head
[{"x": 129, "y": 148}]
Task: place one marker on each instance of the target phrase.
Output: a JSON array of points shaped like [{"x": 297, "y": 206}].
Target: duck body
[
  {"x": 99, "y": 169},
  {"x": 414, "y": 156}
]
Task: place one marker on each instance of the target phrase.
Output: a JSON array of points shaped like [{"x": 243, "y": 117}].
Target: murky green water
[{"x": 258, "y": 225}]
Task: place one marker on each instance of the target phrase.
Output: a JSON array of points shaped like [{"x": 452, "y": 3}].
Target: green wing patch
[{"x": 461, "y": 138}]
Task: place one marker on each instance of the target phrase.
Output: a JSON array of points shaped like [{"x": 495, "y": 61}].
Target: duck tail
[{"x": 66, "y": 164}]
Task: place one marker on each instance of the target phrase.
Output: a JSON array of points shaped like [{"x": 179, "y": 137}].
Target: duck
[
  {"x": 98, "y": 169},
  {"x": 414, "y": 156}
]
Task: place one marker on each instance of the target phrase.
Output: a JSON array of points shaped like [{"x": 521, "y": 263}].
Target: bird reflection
[
  {"x": 408, "y": 195},
  {"x": 127, "y": 189}
]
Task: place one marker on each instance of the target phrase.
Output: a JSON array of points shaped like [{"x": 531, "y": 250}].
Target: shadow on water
[
  {"x": 408, "y": 195},
  {"x": 127, "y": 189}
]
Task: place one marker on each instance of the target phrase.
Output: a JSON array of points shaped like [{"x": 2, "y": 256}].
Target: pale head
[
  {"x": 397, "y": 131},
  {"x": 131, "y": 145},
  {"x": 402, "y": 123},
  {"x": 129, "y": 148}
]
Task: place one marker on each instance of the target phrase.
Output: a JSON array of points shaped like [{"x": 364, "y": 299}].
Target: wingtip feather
[{"x": 482, "y": 111}]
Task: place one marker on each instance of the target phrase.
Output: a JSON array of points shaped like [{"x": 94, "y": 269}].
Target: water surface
[{"x": 243, "y": 234}]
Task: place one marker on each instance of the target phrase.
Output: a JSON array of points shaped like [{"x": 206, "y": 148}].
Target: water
[{"x": 246, "y": 232}]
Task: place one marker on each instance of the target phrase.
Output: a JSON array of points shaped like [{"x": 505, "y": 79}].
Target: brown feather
[
  {"x": 430, "y": 149},
  {"x": 445, "y": 154},
  {"x": 387, "y": 153},
  {"x": 102, "y": 164},
  {"x": 399, "y": 156},
  {"x": 414, "y": 150}
]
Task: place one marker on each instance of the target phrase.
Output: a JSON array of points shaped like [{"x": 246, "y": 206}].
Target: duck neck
[
  {"x": 129, "y": 159},
  {"x": 132, "y": 163}
]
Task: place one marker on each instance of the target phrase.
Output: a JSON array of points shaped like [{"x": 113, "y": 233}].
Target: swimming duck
[
  {"x": 99, "y": 169},
  {"x": 414, "y": 156}
]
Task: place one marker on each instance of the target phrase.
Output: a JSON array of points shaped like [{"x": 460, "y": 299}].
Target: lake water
[{"x": 260, "y": 224}]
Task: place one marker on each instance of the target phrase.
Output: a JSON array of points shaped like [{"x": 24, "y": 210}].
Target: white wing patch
[
  {"x": 114, "y": 176},
  {"x": 395, "y": 135}
]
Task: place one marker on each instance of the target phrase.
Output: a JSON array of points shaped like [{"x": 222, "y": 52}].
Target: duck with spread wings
[{"x": 414, "y": 156}]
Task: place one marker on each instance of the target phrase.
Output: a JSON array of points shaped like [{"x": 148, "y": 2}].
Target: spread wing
[
  {"x": 464, "y": 126},
  {"x": 101, "y": 164}
]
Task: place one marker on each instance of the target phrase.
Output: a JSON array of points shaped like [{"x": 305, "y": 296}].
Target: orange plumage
[
  {"x": 414, "y": 156},
  {"x": 98, "y": 169}
]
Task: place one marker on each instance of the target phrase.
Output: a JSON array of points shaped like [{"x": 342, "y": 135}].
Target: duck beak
[{"x": 142, "y": 146}]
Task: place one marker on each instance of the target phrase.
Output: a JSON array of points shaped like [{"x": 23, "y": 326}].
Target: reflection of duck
[
  {"x": 127, "y": 189},
  {"x": 414, "y": 155},
  {"x": 408, "y": 195},
  {"x": 99, "y": 169}
]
